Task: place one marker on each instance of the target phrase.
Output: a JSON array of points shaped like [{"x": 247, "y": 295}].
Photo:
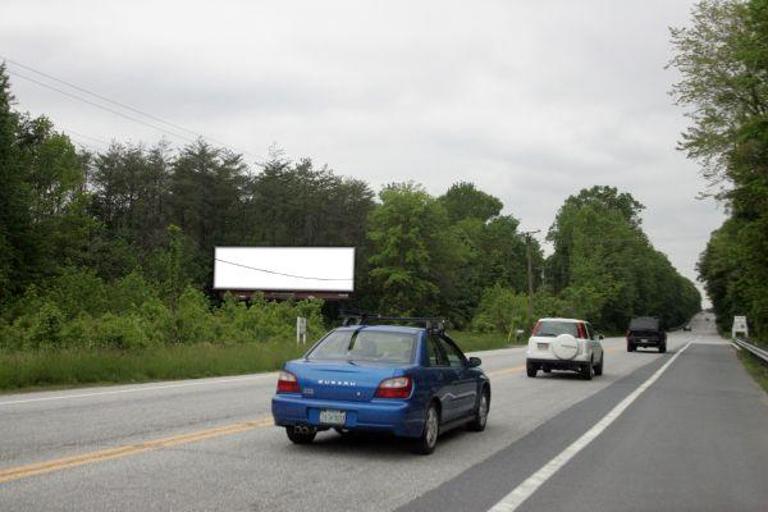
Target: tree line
[
  {"x": 116, "y": 246},
  {"x": 723, "y": 61}
]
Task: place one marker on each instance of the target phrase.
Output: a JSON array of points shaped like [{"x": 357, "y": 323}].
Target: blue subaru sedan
[{"x": 413, "y": 382}]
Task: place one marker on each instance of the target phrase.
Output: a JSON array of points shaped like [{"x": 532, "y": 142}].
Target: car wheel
[
  {"x": 662, "y": 348},
  {"x": 299, "y": 434},
  {"x": 481, "y": 414},
  {"x": 426, "y": 443},
  {"x": 531, "y": 369},
  {"x": 588, "y": 371},
  {"x": 599, "y": 367}
]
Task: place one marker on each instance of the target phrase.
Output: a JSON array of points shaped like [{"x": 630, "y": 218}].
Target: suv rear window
[
  {"x": 644, "y": 324},
  {"x": 365, "y": 345},
  {"x": 553, "y": 328}
]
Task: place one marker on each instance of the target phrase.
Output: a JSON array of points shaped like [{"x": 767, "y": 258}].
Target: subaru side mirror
[{"x": 474, "y": 362}]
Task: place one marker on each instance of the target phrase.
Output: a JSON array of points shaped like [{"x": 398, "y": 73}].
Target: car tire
[
  {"x": 427, "y": 441},
  {"x": 481, "y": 412},
  {"x": 531, "y": 369},
  {"x": 599, "y": 366},
  {"x": 587, "y": 371},
  {"x": 663, "y": 348},
  {"x": 298, "y": 436}
]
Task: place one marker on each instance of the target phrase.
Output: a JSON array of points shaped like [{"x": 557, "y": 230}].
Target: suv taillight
[
  {"x": 398, "y": 387},
  {"x": 287, "y": 383}
]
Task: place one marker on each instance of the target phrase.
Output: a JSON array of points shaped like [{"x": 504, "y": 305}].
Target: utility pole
[{"x": 527, "y": 235}]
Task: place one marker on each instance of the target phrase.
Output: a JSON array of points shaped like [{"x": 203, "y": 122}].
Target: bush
[
  {"x": 80, "y": 312},
  {"x": 193, "y": 318},
  {"x": 266, "y": 320},
  {"x": 78, "y": 291},
  {"x": 127, "y": 332},
  {"x": 501, "y": 310},
  {"x": 505, "y": 311}
]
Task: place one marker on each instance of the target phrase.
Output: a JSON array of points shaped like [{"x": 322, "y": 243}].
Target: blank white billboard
[{"x": 310, "y": 269}]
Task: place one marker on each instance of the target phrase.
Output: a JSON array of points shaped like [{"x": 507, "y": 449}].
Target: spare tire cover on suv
[{"x": 565, "y": 346}]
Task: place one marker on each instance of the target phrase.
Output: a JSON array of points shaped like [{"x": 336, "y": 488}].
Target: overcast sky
[{"x": 530, "y": 99}]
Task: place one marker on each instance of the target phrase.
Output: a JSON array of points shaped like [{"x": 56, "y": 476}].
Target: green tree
[
  {"x": 723, "y": 61},
  {"x": 16, "y": 245},
  {"x": 605, "y": 269},
  {"x": 464, "y": 201},
  {"x": 415, "y": 252}
]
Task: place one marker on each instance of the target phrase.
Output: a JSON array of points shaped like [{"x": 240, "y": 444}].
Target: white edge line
[
  {"x": 138, "y": 389},
  {"x": 523, "y": 491}
]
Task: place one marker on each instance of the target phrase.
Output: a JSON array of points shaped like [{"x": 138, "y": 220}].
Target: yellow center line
[
  {"x": 16, "y": 473},
  {"x": 505, "y": 371},
  {"x": 19, "y": 472}
]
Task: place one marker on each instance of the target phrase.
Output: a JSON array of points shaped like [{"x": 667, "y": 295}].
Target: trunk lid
[{"x": 340, "y": 380}]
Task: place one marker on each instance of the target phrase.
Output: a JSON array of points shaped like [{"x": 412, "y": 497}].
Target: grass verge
[
  {"x": 474, "y": 341},
  {"x": 70, "y": 368},
  {"x": 756, "y": 368}
]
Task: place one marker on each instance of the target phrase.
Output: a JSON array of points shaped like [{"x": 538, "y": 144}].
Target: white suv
[{"x": 564, "y": 344}]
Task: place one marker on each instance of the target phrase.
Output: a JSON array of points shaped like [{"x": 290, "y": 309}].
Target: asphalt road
[{"x": 686, "y": 430}]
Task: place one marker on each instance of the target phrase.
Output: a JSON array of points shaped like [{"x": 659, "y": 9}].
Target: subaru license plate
[{"x": 331, "y": 417}]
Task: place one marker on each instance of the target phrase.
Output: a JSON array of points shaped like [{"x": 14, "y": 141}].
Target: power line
[
  {"x": 97, "y": 105},
  {"x": 280, "y": 273},
  {"x": 116, "y": 103},
  {"x": 103, "y": 98}
]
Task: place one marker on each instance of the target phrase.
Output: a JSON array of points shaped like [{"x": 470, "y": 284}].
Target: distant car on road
[
  {"x": 646, "y": 331},
  {"x": 413, "y": 382},
  {"x": 565, "y": 344}
]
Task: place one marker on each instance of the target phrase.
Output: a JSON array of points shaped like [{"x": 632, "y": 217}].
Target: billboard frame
[{"x": 288, "y": 293}]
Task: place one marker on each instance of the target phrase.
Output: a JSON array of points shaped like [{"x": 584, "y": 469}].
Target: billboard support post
[{"x": 301, "y": 330}]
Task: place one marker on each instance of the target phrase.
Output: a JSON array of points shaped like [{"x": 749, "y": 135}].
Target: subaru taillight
[
  {"x": 397, "y": 387},
  {"x": 287, "y": 383}
]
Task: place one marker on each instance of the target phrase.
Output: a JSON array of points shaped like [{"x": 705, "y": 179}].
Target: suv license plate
[
  {"x": 332, "y": 417},
  {"x": 644, "y": 340}
]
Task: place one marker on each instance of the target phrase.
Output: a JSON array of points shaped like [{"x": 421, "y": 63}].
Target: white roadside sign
[{"x": 740, "y": 326}]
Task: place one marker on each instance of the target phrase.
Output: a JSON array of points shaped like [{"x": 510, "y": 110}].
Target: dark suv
[{"x": 646, "y": 331}]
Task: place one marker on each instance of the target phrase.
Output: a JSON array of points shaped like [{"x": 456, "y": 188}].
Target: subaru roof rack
[{"x": 432, "y": 324}]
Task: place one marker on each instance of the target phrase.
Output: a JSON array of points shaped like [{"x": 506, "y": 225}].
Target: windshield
[
  {"x": 553, "y": 328},
  {"x": 366, "y": 345}
]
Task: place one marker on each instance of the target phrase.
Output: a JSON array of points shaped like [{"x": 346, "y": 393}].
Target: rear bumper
[
  {"x": 540, "y": 356},
  {"x": 399, "y": 417},
  {"x": 557, "y": 364},
  {"x": 649, "y": 342}
]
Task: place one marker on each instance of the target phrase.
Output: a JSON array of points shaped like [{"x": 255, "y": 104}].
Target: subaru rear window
[
  {"x": 366, "y": 345},
  {"x": 552, "y": 329}
]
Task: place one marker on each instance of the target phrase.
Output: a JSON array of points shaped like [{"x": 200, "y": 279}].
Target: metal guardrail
[{"x": 760, "y": 353}]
